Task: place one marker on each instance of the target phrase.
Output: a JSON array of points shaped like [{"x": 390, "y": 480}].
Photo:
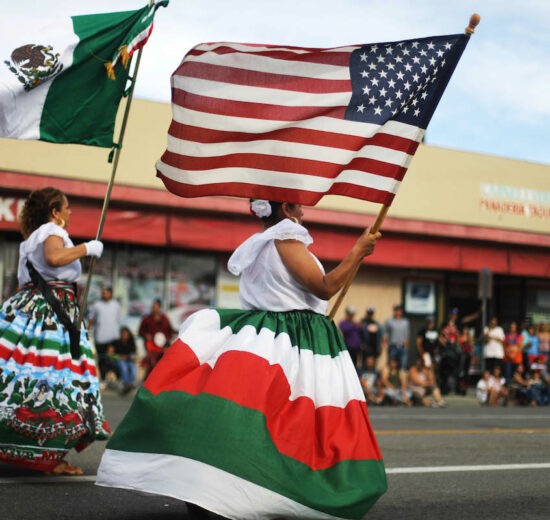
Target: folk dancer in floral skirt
[{"x": 49, "y": 392}]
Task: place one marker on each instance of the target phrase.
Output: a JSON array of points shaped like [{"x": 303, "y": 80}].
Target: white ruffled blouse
[
  {"x": 33, "y": 249},
  {"x": 266, "y": 284}
]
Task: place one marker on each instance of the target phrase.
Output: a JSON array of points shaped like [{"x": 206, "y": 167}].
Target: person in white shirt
[
  {"x": 44, "y": 352},
  {"x": 105, "y": 320},
  {"x": 493, "y": 345},
  {"x": 260, "y": 409}
]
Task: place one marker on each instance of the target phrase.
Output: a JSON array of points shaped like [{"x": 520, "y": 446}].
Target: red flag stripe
[
  {"x": 282, "y": 164},
  {"x": 294, "y": 135},
  {"x": 256, "y": 191},
  {"x": 251, "y": 78},
  {"x": 213, "y": 105},
  {"x": 340, "y": 59}
]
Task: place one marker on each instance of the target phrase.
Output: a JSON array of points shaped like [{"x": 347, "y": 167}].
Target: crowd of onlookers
[
  {"x": 120, "y": 366},
  {"x": 512, "y": 366}
]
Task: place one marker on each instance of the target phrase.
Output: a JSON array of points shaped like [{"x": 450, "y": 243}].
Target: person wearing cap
[
  {"x": 372, "y": 334},
  {"x": 352, "y": 333},
  {"x": 396, "y": 336}
]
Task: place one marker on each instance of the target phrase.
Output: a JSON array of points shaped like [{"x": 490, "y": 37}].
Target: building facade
[{"x": 456, "y": 215}]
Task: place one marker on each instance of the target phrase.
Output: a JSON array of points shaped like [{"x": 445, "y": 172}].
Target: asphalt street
[{"x": 461, "y": 462}]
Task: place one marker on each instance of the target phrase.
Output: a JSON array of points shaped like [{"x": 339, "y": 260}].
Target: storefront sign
[
  {"x": 419, "y": 297},
  {"x": 511, "y": 200},
  {"x": 10, "y": 207}
]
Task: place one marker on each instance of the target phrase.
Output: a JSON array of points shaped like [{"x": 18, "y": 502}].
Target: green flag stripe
[
  {"x": 82, "y": 101},
  {"x": 245, "y": 449},
  {"x": 325, "y": 338}
]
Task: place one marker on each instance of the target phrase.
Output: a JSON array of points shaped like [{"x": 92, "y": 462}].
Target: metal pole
[{"x": 107, "y": 198}]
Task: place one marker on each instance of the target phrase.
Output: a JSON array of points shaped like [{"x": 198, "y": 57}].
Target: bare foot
[{"x": 64, "y": 468}]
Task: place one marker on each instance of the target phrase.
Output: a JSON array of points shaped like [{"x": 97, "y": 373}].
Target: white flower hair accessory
[{"x": 260, "y": 208}]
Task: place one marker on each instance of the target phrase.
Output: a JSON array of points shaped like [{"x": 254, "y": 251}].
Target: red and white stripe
[{"x": 268, "y": 122}]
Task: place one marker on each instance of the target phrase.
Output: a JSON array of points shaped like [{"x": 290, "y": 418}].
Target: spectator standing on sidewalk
[
  {"x": 493, "y": 345},
  {"x": 353, "y": 335},
  {"x": 428, "y": 344},
  {"x": 513, "y": 355},
  {"x": 530, "y": 343},
  {"x": 543, "y": 333},
  {"x": 372, "y": 334},
  {"x": 397, "y": 330},
  {"x": 466, "y": 344},
  {"x": 157, "y": 331},
  {"x": 105, "y": 317}
]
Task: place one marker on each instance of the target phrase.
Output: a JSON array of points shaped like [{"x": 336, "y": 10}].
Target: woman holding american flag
[{"x": 258, "y": 413}]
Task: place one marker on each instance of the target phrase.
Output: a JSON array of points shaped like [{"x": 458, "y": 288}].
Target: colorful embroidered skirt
[
  {"x": 252, "y": 414},
  {"x": 49, "y": 402}
]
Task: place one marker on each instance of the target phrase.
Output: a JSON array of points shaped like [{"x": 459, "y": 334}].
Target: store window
[
  {"x": 139, "y": 279},
  {"x": 9, "y": 258},
  {"x": 191, "y": 285},
  {"x": 538, "y": 301}
]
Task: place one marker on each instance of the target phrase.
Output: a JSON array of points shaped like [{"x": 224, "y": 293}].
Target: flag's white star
[
  {"x": 363, "y": 57},
  {"x": 391, "y": 83},
  {"x": 400, "y": 75},
  {"x": 380, "y": 59},
  {"x": 416, "y": 59},
  {"x": 372, "y": 100},
  {"x": 431, "y": 46},
  {"x": 408, "y": 67},
  {"x": 366, "y": 90},
  {"x": 365, "y": 74},
  {"x": 383, "y": 92},
  {"x": 407, "y": 85},
  {"x": 377, "y": 111},
  {"x": 383, "y": 74},
  {"x": 375, "y": 82}
]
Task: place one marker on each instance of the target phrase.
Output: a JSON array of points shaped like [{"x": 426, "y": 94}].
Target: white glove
[{"x": 94, "y": 248}]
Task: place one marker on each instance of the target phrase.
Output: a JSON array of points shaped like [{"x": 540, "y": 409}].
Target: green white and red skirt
[
  {"x": 252, "y": 414},
  {"x": 49, "y": 402}
]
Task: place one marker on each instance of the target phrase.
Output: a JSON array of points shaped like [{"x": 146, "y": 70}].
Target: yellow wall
[{"x": 441, "y": 185}]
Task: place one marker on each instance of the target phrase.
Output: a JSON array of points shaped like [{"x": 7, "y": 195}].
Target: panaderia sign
[{"x": 511, "y": 200}]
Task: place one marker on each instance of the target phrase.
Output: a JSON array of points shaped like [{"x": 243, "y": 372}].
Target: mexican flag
[{"x": 63, "y": 83}]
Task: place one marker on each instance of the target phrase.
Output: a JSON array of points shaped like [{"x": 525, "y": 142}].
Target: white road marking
[
  {"x": 447, "y": 469},
  {"x": 389, "y": 471}
]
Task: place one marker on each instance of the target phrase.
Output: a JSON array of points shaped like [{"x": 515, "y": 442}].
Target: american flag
[{"x": 294, "y": 124}]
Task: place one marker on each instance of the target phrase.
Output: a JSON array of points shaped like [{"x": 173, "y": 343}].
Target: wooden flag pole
[
  {"x": 107, "y": 198},
  {"x": 374, "y": 229},
  {"x": 473, "y": 23}
]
